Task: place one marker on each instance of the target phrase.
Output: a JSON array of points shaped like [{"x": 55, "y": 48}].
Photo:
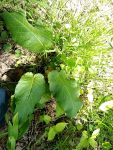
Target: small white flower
[
  {"x": 90, "y": 97},
  {"x": 67, "y": 26},
  {"x": 74, "y": 40}
]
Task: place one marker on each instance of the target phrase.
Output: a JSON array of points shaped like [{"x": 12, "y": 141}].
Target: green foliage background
[{"x": 82, "y": 42}]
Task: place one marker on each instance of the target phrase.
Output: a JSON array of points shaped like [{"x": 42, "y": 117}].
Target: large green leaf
[
  {"x": 65, "y": 92},
  {"x": 34, "y": 39},
  {"x": 28, "y": 93}
]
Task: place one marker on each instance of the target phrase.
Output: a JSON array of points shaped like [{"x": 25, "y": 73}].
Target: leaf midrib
[{"x": 30, "y": 88}]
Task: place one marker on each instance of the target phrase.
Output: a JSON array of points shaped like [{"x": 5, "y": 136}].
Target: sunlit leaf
[
  {"x": 13, "y": 128},
  {"x": 83, "y": 141},
  {"x": 45, "y": 118},
  {"x": 93, "y": 143},
  {"x": 59, "y": 127},
  {"x": 34, "y": 39},
  {"x": 51, "y": 134}
]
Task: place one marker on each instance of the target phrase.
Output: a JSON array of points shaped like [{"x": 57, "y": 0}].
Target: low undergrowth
[{"x": 61, "y": 93}]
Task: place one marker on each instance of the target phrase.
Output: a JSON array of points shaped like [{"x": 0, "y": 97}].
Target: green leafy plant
[
  {"x": 34, "y": 39},
  {"x": 29, "y": 92},
  {"x": 31, "y": 89},
  {"x": 46, "y": 118},
  {"x": 87, "y": 140},
  {"x": 82, "y": 38},
  {"x": 13, "y": 132},
  {"x": 64, "y": 90},
  {"x": 59, "y": 127}
]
